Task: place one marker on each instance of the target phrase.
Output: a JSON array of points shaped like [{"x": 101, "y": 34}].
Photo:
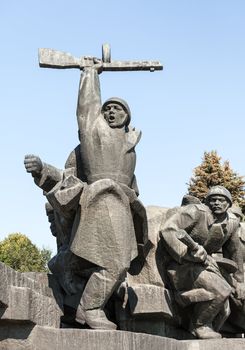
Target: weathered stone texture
[
  {"x": 44, "y": 338},
  {"x": 151, "y": 273},
  {"x": 27, "y": 299}
]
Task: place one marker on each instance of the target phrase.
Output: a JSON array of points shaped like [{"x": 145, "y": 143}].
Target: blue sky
[{"x": 195, "y": 104}]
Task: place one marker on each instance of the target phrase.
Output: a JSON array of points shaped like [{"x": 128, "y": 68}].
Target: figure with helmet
[
  {"x": 193, "y": 240},
  {"x": 96, "y": 199}
]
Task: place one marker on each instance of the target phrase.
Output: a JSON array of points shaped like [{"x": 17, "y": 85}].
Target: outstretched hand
[{"x": 33, "y": 164}]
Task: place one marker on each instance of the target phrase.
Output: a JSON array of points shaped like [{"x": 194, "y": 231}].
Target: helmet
[
  {"x": 219, "y": 191},
  {"x": 122, "y": 103},
  {"x": 190, "y": 199}
]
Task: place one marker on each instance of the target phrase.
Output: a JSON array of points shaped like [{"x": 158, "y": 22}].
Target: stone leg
[
  {"x": 97, "y": 292},
  {"x": 237, "y": 317},
  {"x": 205, "y": 313},
  {"x": 222, "y": 316}
]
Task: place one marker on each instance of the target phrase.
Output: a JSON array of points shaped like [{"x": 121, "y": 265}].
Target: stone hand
[
  {"x": 33, "y": 164},
  {"x": 199, "y": 255},
  {"x": 92, "y": 62},
  {"x": 98, "y": 65}
]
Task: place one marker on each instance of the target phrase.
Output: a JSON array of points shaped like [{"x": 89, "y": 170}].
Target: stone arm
[
  {"x": 89, "y": 99},
  {"x": 184, "y": 219},
  {"x": 232, "y": 250},
  {"x": 48, "y": 177},
  {"x": 45, "y": 176}
]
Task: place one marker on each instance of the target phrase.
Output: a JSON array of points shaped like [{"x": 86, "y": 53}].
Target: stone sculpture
[
  {"x": 93, "y": 202},
  {"x": 203, "y": 283},
  {"x": 173, "y": 272}
]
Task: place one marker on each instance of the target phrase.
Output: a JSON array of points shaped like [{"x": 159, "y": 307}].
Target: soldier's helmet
[
  {"x": 122, "y": 103},
  {"x": 190, "y": 199},
  {"x": 219, "y": 191}
]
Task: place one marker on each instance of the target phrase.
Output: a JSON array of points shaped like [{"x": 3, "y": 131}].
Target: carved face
[
  {"x": 115, "y": 115},
  {"x": 218, "y": 204}
]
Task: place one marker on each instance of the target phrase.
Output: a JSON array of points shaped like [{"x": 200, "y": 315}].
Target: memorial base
[{"x": 29, "y": 337}]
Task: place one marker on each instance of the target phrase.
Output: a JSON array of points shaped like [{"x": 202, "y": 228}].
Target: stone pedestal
[{"x": 14, "y": 337}]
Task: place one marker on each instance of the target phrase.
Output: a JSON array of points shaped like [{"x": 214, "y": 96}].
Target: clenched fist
[{"x": 33, "y": 164}]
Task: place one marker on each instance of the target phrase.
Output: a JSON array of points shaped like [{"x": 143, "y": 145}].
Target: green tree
[
  {"x": 18, "y": 252},
  {"x": 212, "y": 172}
]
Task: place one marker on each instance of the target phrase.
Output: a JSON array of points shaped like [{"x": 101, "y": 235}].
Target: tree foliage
[
  {"x": 212, "y": 172},
  {"x": 18, "y": 252}
]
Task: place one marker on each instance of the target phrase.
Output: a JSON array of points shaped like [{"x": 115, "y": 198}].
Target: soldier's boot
[
  {"x": 205, "y": 332},
  {"x": 203, "y": 316},
  {"x": 95, "y": 319},
  {"x": 97, "y": 292}
]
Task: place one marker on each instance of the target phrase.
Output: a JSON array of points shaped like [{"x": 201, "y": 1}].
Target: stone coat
[
  {"x": 103, "y": 230},
  {"x": 197, "y": 221}
]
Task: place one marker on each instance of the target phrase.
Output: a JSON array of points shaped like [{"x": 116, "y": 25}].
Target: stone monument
[
  {"x": 94, "y": 200},
  {"x": 204, "y": 282},
  {"x": 124, "y": 276}
]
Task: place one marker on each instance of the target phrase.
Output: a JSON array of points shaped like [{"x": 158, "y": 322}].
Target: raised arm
[{"x": 89, "y": 98}]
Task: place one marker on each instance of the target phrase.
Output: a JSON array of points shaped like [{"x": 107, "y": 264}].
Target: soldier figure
[
  {"x": 97, "y": 195},
  {"x": 189, "y": 238}
]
